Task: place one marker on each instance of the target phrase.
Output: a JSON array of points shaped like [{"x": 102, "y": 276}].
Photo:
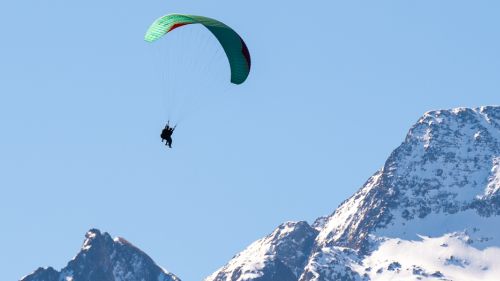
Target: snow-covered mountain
[
  {"x": 432, "y": 212},
  {"x": 103, "y": 258}
]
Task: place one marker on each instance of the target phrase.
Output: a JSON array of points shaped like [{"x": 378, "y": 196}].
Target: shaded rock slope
[{"x": 103, "y": 258}]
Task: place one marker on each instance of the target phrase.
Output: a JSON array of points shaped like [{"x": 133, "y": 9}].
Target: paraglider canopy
[{"x": 233, "y": 45}]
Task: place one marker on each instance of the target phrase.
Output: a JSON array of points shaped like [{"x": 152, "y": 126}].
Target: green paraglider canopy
[{"x": 234, "y": 46}]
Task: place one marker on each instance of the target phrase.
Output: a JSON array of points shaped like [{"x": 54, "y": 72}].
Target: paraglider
[
  {"x": 234, "y": 47},
  {"x": 166, "y": 134}
]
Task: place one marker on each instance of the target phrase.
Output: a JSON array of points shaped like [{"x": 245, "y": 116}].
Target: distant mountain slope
[
  {"x": 278, "y": 256},
  {"x": 432, "y": 212},
  {"x": 103, "y": 258}
]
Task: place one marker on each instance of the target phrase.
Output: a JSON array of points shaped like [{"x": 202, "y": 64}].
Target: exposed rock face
[
  {"x": 103, "y": 258},
  {"x": 442, "y": 182}
]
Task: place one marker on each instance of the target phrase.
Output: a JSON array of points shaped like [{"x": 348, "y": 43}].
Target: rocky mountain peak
[
  {"x": 278, "y": 256},
  {"x": 104, "y": 258},
  {"x": 446, "y": 163},
  {"x": 97, "y": 241},
  {"x": 439, "y": 187}
]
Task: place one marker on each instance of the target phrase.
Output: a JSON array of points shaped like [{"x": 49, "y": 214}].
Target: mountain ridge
[
  {"x": 104, "y": 258},
  {"x": 440, "y": 184},
  {"x": 430, "y": 213}
]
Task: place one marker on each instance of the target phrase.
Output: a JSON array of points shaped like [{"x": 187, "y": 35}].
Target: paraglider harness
[{"x": 166, "y": 134}]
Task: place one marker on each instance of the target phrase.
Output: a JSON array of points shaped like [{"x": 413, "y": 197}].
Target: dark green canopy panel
[{"x": 234, "y": 46}]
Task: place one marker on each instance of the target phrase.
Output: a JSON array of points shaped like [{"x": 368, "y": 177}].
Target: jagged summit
[
  {"x": 94, "y": 238},
  {"x": 439, "y": 187},
  {"x": 103, "y": 258},
  {"x": 443, "y": 167}
]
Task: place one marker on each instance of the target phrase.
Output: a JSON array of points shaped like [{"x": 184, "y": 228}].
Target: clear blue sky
[{"x": 334, "y": 87}]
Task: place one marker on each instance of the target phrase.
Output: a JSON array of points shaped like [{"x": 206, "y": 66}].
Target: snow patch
[
  {"x": 494, "y": 180},
  {"x": 448, "y": 256}
]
